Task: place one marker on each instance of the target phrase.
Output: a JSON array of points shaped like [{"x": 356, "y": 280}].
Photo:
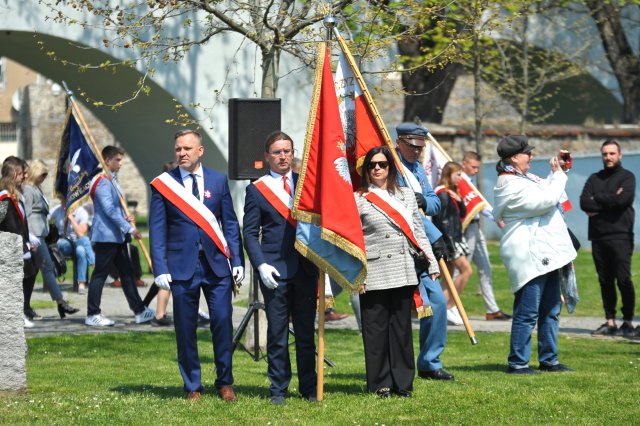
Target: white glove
[
  {"x": 238, "y": 274},
  {"x": 163, "y": 281},
  {"x": 266, "y": 275},
  {"x": 34, "y": 241},
  {"x": 27, "y": 255}
]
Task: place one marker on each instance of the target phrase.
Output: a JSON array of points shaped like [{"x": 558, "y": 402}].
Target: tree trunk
[
  {"x": 427, "y": 91},
  {"x": 625, "y": 65},
  {"x": 270, "y": 71}
]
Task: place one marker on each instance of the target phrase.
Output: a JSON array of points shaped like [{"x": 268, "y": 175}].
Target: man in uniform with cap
[{"x": 433, "y": 329}]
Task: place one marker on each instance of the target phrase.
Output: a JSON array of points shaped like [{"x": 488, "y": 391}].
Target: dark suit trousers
[
  {"x": 106, "y": 255},
  {"x": 388, "y": 339},
  {"x": 296, "y": 297},
  {"x": 613, "y": 263},
  {"x": 186, "y": 298}
]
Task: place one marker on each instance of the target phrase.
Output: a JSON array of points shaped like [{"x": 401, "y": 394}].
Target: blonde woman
[{"x": 37, "y": 208}]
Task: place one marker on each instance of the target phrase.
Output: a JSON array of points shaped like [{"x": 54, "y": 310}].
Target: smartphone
[{"x": 568, "y": 160}]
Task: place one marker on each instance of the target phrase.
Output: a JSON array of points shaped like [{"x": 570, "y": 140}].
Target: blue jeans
[
  {"x": 537, "y": 302},
  {"x": 84, "y": 255},
  {"x": 45, "y": 264},
  {"x": 433, "y": 329}
]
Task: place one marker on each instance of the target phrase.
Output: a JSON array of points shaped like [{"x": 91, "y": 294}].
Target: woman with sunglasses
[
  {"x": 449, "y": 222},
  {"x": 37, "y": 207},
  {"x": 392, "y": 231}
]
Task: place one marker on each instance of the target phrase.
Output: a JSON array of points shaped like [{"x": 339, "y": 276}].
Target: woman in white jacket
[{"x": 534, "y": 247}]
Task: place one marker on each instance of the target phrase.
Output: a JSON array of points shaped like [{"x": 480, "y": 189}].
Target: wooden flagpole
[
  {"x": 98, "y": 154},
  {"x": 456, "y": 298}
]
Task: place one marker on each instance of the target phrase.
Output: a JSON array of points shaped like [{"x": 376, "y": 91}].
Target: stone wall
[
  {"x": 41, "y": 126},
  {"x": 13, "y": 346}
]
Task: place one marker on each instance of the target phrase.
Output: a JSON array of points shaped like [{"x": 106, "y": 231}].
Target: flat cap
[
  {"x": 513, "y": 144},
  {"x": 412, "y": 133}
]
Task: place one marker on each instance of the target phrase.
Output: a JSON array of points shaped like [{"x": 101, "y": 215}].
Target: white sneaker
[
  {"x": 98, "y": 321},
  {"x": 453, "y": 317},
  {"x": 145, "y": 316},
  {"x": 27, "y": 322}
]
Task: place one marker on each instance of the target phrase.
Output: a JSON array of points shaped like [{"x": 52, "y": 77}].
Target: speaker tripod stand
[{"x": 253, "y": 310}]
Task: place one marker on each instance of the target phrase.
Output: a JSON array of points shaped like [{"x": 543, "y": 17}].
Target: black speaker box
[{"x": 250, "y": 122}]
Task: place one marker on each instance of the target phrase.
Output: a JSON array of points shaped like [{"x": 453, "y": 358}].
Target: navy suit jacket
[
  {"x": 174, "y": 238},
  {"x": 278, "y": 236}
]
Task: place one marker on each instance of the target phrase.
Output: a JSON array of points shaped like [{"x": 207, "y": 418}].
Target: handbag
[
  {"x": 59, "y": 262},
  {"x": 420, "y": 261}
]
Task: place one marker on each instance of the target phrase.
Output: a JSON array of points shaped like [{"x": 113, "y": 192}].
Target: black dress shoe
[
  {"x": 525, "y": 370},
  {"x": 556, "y": 368},
  {"x": 162, "y": 322},
  {"x": 64, "y": 308},
  {"x": 277, "y": 400},
  {"x": 404, "y": 393},
  {"x": 438, "y": 374},
  {"x": 384, "y": 393}
]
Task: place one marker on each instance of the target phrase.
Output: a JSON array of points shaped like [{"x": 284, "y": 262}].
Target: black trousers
[
  {"x": 613, "y": 263},
  {"x": 134, "y": 256},
  {"x": 388, "y": 339},
  {"x": 106, "y": 255},
  {"x": 296, "y": 298}
]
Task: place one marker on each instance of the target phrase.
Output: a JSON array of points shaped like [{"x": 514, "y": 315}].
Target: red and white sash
[
  {"x": 273, "y": 191},
  {"x": 16, "y": 204},
  {"x": 94, "y": 185},
  {"x": 193, "y": 208},
  {"x": 395, "y": 214}
]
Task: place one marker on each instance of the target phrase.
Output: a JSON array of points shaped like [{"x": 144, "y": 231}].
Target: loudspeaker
[{"x": 250, "y": 122}]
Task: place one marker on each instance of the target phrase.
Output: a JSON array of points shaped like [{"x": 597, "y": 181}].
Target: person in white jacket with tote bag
[{"x": 535, "y": 246}]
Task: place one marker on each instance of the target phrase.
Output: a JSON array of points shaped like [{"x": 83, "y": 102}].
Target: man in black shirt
[{"x": 607, "y": 198}]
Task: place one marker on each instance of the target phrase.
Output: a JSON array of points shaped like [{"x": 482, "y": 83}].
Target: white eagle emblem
[{"x": 341, "y": 163}]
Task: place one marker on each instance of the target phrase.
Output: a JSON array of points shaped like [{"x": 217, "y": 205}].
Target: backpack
[{"x": 59, "y": 262}]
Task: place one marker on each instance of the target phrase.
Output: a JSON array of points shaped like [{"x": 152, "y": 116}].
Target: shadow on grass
[
  {"x": 176, "y": 392},
  {"x": 500, "y": 368}
]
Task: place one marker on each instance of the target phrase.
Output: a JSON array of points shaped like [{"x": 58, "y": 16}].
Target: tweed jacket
[
  {"x": 37, "y": 208},
  {"x": 389, "y": 260}
]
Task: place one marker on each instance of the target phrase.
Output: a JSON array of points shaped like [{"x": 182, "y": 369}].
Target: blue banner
[{"x": 76, "y": 165}]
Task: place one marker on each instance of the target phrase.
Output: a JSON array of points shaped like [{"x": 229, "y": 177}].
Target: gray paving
[{"x": 114, "y": 306}]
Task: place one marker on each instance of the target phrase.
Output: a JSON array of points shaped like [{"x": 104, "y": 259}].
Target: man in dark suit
[
  {"x": 288, "y": 280},
  {"x": 195, "y": 243}
]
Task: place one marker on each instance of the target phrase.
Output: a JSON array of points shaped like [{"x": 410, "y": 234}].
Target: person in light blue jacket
[
  {"x": 110, "y": 232},
  {"x": 433, "y": 329}
]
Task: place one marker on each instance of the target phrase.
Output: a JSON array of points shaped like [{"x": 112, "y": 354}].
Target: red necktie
[{"x": 287, "y": 188}]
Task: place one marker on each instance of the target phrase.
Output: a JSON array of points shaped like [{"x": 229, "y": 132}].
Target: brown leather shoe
[
  {"x": 140, "y": 283},
  {"x": 116, "y": 283},
  {"x": 332, "y": 315},
  {"x": 194, "y": 396},
  {"x": 227, "y": 394},
  {"x": 498, "y": 316}
]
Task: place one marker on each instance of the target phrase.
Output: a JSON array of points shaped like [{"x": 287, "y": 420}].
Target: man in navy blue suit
[
  {"x": 195, "y": 244},
  {"x": 288, "y": 280}
]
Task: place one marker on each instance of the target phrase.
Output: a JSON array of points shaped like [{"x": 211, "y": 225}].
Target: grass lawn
[
  {"x": 132, "y": 378},
  {"x": 590, "y": 300}
]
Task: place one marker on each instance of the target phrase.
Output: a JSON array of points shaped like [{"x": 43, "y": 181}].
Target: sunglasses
[{"x": 382, "y": 164}]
